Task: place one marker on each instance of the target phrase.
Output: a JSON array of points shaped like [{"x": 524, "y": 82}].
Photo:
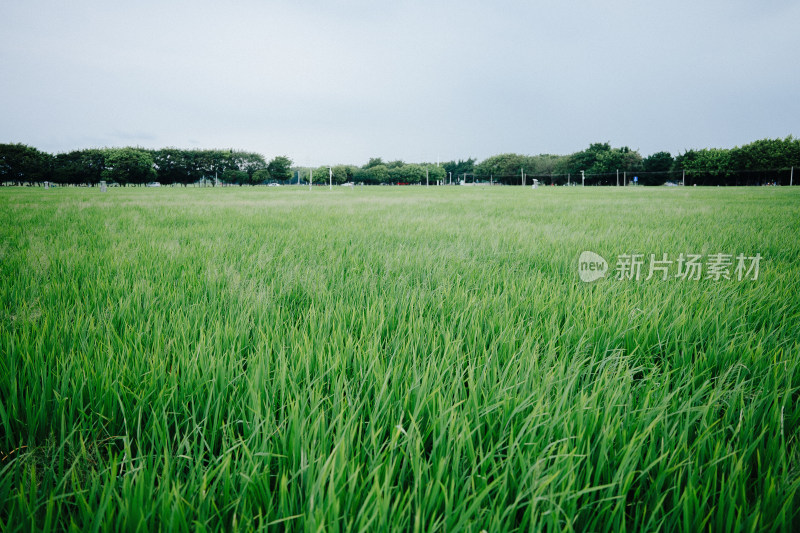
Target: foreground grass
[{"x": 395, "y": 359}]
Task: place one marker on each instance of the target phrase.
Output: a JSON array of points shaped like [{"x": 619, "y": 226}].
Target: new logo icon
[{"x": 591, "y": 266}]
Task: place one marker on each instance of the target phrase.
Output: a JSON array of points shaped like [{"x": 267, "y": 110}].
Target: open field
[{"x": 420, "y": 359}]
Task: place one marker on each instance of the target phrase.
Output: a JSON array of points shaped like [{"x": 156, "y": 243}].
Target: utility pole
[
  {"x": 427, "y": 183},
  {"x": 617, "y": 177},
  {"x": 684, "y": 177},
  {"x": 330, "y": 178},
  {"x": 624, "y": 178},
  {"x": 791, "y": 176},
  {"x": 568, "y": 176},
  {"x": 522, "y": 171},
  {"x": 451, "y": 177},
  {"x": 310, "y": 178},
  {"x": 583, "y": 179}
]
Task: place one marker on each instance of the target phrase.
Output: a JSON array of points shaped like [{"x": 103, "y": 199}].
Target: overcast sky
[{"x": 339, "y": 82}]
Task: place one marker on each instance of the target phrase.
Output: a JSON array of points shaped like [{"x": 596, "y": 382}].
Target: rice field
[{"x": 396, "y": 359}]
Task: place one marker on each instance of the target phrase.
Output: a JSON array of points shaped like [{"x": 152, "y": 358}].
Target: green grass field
[{"x": 386, "y": 359}]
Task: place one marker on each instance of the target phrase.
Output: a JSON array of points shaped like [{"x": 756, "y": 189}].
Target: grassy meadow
[{"x": 395, "y": 359}]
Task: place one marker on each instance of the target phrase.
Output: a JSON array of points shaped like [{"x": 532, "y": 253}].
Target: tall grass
[{"x": 405, "y": 359}]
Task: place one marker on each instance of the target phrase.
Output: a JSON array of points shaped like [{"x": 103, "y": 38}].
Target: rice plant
[{"x": 385, "y": 359}]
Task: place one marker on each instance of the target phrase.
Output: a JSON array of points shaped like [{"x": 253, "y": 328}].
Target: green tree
[
  {"x": 601, "y": 162},
  {"x": 767, "y": 154},
  {"x": 207, "y": 164},
  {"x": 249, "y": 162},
  {"x": 21, "y": 163},
  {"x": 320, "y": 175},
  {"x": 412, "y": 173},
  {"x": 128, "y": 165},
  {"x": 361, "y": 176},
  {"x": 373, "y": 162},
  {"x": 339, "y": 173},
  {"x": 399, "y": 174},
  {"x": 709, "y": 166},
  {"x": 547, "y": 164},
  {"x": 342, "y": 174},
  {"x": 79, "y": 166},
  {"x": 196, "y": 165},
  {"x": 170, "y": 165},
  {"x": 454, "y": 169},
  {"x": 219, "y": 162},
  {"x": 377, "y": 174},
  {"x": 657, "y": 167},
  {"x": 435, "y": 173},
  {"x": 586, "y": 159},
  {"x": 506, "y": 168},
  {"x": 260, "y": 176},
  {"x": 211, "y": 164},
  {"x": 280, "y": 168},
  {"x": 68, "y": 168},
  {"x": 233, "y": 176},
  {"x": 658, "y": 162}
]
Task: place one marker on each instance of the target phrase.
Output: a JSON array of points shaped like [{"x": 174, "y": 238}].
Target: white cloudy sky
[{"x": 341, "y": 81}]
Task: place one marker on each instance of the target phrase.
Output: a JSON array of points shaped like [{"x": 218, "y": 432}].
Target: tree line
[
  {"x": 376, "y": 172},
  {"x": 138, "y": 166},
  {"x": 762, "y": 161}
]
